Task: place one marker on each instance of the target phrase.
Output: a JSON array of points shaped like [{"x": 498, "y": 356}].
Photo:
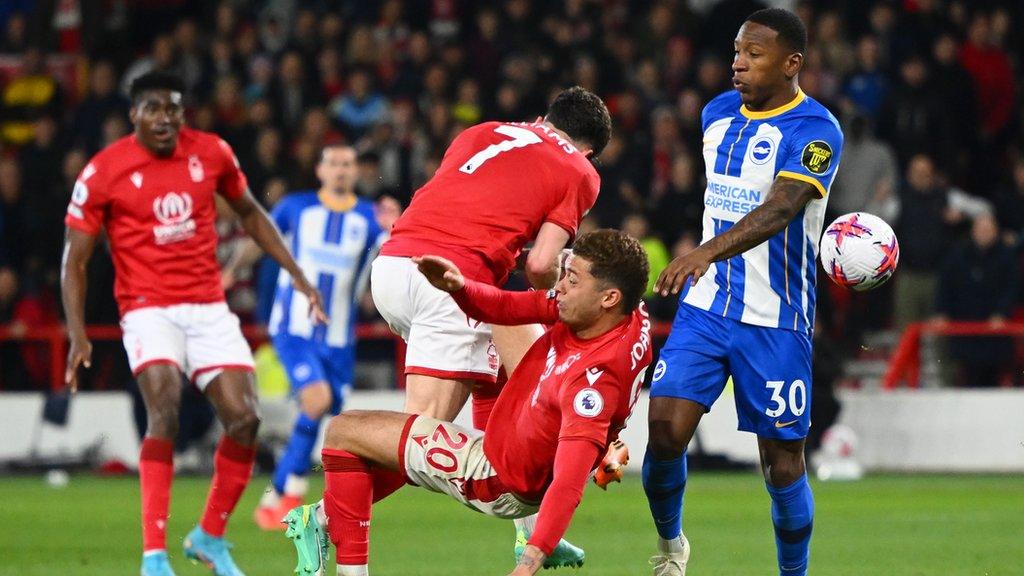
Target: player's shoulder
[
  {"x": 201, "y": 141},
  {"x": 108, "y": 163},
  {"x": 815, "y": 115},
  {"x": 726, "y": 104},
  {"x": 297, "y": 200}
]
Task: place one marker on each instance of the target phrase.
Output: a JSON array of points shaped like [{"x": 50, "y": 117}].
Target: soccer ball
[{"x": 859, "y": 251}]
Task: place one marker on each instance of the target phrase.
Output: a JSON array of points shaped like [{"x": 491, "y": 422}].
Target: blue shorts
[
  {"x": 770, "y": 368},
  {"x": 306, "y": 362}
]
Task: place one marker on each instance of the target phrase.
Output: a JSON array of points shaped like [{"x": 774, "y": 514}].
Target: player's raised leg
[
  {"x": 160, "y": 384},
  {"x": 233, "y": 394},
  {"x": 782, "y": 462},
  {"x": 361, "y": 458}
]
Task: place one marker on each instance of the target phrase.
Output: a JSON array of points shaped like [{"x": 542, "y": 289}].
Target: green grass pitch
[{"x": 885, "y": 525}]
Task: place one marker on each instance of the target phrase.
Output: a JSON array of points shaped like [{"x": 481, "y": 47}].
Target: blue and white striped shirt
[{"x": 772, "y": 284}]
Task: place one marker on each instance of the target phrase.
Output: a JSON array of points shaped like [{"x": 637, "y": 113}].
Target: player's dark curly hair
[
  {"x": 617, "y": 259},
  {"x": 791, "y": 30},
  {"x": 156, "y": 80},
  {"x": 583, "y": 116}
]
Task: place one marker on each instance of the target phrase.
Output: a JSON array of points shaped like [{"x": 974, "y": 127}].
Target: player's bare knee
[
  {"x": 663, "y": 442},
  {"x": 242, "y": 427},
  {"x": 341, "y": 429},
  {"x": 782, "y": 466},
  {"x": 316, "y": 402},
  {"x": 162, "y": 422}
]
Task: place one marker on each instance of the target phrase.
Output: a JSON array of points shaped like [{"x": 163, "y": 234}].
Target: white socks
[
  {"x": 296, "y": 486},
  {"x": 673, "y": 546},
  {"x": 527, "y": 524},
  {"x": 351, "y": 570}
]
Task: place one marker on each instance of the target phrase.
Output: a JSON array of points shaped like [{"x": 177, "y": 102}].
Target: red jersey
[
  {"x": 159, "y": 214},
  {"x": 498, "y": 182},
  {"x": 564, "y": 387}
]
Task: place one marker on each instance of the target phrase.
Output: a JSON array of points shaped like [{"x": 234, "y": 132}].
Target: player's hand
[
  {"x": 316, "y": 309},
  {"x": 79, "y": 354},
  {"x": 227, "y": 279},
  {"x": 612, "y": 465},
  {"x": 530, "y": 563},
  {"x": 441, "y": 273},
  {"x": 693, "y": 265}
]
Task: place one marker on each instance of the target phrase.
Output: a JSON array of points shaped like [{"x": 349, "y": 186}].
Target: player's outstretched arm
[
  {"x": 573, "y": 461},
  {"x": 262, "y": 230},
  {"x": 786, "y": 199},
  {"x": 78, "y": 249},
  {"x": 542, "y": 263},
  {"x": 484, "y": 302}
]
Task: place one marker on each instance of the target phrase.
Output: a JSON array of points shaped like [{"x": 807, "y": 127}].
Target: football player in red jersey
[
  {"x": 499, "y": 186},
  {"x": 153, "y": 192},
  {"x": 562, "y": 407}
]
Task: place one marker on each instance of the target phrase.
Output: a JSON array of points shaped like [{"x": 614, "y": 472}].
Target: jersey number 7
[{"x": 520, "y": 137}]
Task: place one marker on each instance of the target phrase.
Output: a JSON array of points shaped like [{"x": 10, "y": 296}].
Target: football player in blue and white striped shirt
[
  {"x": 334, "y": 236},
  {"x": 747, "y": 303}
]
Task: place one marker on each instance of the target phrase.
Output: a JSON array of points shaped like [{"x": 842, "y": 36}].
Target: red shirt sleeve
[
  {"x": 576, "y": 203},
  {"x": 232, "y": 183},
  {"x": 588, "y": 404},
  {"x": 574, "y": 461},
  {"x": 89, "y": 200},
  {"x": 486, "y": 303}
]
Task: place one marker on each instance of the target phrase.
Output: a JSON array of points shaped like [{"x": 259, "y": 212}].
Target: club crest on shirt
[
  {"x": 195, "y": 168},
  {"x": 588, "y": 403},
  {"x": 817, "y": 157}
]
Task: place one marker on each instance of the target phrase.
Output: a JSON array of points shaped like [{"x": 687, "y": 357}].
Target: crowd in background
[{"x": 927, "y": 92}]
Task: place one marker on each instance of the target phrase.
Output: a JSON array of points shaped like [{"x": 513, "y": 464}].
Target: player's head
[
  {"x": 583, "y": 117},
  {"x": 337, "y": 169},
  {"x": 605, "y": 277},
  {"x": 157, "y": 110},
  {"x": 769, "y": 52}
]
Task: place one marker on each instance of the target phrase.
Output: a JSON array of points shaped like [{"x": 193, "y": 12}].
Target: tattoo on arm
[{"x": 785, "y": 200}]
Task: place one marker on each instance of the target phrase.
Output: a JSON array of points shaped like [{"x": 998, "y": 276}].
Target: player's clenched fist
[
  {"x": 441, "y": 273},
  {"x": 672, "y": 279}
]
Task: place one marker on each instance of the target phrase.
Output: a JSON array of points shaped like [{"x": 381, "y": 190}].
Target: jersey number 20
[{"x": 520, "y": 137}]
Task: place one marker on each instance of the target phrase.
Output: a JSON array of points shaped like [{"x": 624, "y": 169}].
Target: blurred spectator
[
  {"x": 1009, "y": 204},
  {"x": 912, "y": 119},
  {"x": 636, "y": 225},
  {"x": 15, "y": 34},
  {"x": 979, "y": 282},
  {"x": 361, "y": 107},
  {"x": 955, "y": 89},
  {"x": 161, "y": 58},
  {"x": 922, "y": 229},
  {"x": 14, "y": 214},
  {"x": 680, "y": 208},
  {"x": 990, "y": 67},
  {"x": 13, "y": 376},
  {"x": 30, "y": 94},
  {"x": 866, "y": 86},
  {"x": 867, "y": 182},
  {"x": 101, "y": 101},
  {"x": 290, "y": 92}
]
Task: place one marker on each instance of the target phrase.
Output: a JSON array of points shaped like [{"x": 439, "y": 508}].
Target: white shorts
[
  {"x": 202, "y": 340},
  {"x": 447, "y": 458},
  {"x": 442, "y": 341}
]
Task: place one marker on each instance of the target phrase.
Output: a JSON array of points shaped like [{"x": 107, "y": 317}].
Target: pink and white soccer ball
[{"x": 859, "y": 251}]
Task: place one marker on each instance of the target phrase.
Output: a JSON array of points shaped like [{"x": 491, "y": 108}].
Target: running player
[
  {"x": 747, "y": 303},
  {"x": 499, "y": 186},
  {"x": 153, "y": 192},
  {"x": 334, "y": 235},
  {"x": 561, "y": 408}
]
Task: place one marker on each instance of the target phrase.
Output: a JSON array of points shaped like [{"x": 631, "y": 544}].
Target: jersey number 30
[{"x": 520, "y": 137}]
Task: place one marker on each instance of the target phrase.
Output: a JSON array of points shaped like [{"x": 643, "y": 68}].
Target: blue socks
[
  {"x": 297, "y": 454},
  {"x": 792, "y": 515},
  {"x": 664, "y": 483}
]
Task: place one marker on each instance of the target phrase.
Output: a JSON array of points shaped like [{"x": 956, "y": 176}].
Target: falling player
[
  {"x": 561, "y": 408},
  {"x": 499, "y": 186},
  {"x": 153, "y": 192},
  {"x": 771, "y": 155},
  {"x": 334, "y": 235}
]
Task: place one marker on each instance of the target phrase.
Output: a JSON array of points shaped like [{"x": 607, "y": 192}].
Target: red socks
[
  {"x": 485, "y": 394},
  {"x": 232, "y": 468},
  {"x": 348, "y": 495},
  {"x": 156, "y": 471}
]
